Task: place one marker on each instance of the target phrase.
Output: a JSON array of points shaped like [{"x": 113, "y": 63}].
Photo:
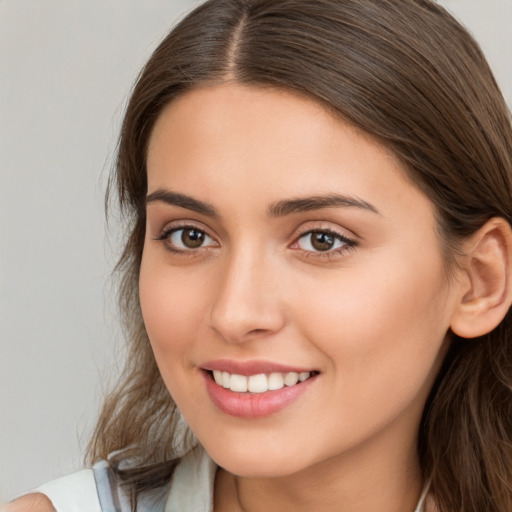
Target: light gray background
[{"x": 66, "y": 68}]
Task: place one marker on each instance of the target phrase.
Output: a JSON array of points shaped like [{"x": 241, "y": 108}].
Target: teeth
[
  {"x": 275, "y": 381},
  {"x": 238, "y": 383},
  {"x": 303, "y": 376},
  {"x": 259, "y": 383},
  {"x": 291, "y": 379}
]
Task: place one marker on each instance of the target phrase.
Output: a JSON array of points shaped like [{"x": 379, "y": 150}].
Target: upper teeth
[{"x": 259, "y": 383}]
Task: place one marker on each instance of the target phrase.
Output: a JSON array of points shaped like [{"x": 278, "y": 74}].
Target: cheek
[
  {"x": 171, "y": 306},
  {"x": 382, "y": 330}
]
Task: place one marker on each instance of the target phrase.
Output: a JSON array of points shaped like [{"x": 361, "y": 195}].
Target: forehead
[
  {"x": 206, "y": 115},
  {"x": 230, "y": 141}
]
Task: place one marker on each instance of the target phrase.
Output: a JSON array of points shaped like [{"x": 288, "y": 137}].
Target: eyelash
[
  {"x": 167, "y": 233},
  {"x": 348, "y": 243}
]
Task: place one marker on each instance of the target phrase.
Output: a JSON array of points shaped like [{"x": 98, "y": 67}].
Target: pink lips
[
  {"x": 250, "y": 367},
  {"x": 249, "y": 405}
]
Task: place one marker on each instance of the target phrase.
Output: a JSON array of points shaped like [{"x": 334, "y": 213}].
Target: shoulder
[
  {"x": 35, "y": 502},
  {"x": 72, "y": 493},
  {"x": 93, "y": 490},
  {"x": 97, "y": 489}
]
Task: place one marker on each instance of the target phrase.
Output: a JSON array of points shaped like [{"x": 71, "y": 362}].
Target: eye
[
  {"x": 186, "y": 238},
  {"x": 323, "y": 241}
]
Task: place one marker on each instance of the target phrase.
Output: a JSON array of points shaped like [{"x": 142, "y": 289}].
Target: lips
[
  {"x": 256, "y": 388},
  {"x": 251, "y": 367}
]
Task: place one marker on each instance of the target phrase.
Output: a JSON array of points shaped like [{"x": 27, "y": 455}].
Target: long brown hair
[{"x": 406, "y": 73}]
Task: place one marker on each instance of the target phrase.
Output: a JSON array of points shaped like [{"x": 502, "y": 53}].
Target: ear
[{"x": 485, "y": 280}]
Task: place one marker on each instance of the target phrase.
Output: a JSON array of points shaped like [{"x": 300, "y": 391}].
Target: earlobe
[{"x": 486, "y": 280}]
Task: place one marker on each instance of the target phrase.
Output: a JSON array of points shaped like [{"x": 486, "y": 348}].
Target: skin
[
  {"x": 371, "y": 317},
  {"x": 30, "y": 503}
]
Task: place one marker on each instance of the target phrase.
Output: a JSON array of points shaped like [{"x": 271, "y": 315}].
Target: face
[{"x": 292, "y": 283}]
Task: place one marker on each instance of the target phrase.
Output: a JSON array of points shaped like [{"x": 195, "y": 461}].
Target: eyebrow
[
  {"x": 182, "y": 200},
  {"x": 306, "y": 204},
  {"x": 277, "y": 209}
]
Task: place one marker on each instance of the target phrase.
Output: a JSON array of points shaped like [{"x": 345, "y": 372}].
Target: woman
[{"x": 317, "y": 271}]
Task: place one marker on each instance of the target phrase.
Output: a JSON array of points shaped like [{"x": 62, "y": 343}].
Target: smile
[
  {"x": 251, "y": 390},
  {"x": 259, "y": 383}
]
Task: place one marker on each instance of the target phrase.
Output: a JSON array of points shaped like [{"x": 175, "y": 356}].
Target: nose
[{"x": 247, "y": 304}]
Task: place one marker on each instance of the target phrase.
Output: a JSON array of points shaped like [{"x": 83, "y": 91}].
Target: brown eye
[
  {"x": 192, "y": 238},
  {"x": 322, "y": 241},
  {"x": 187, "y": 239}
]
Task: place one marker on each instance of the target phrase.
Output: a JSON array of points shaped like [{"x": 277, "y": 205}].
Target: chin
[{"x": 256, "y": 461}]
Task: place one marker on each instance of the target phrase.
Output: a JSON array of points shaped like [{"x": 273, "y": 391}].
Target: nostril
[{"x": 258, "y": 331}]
